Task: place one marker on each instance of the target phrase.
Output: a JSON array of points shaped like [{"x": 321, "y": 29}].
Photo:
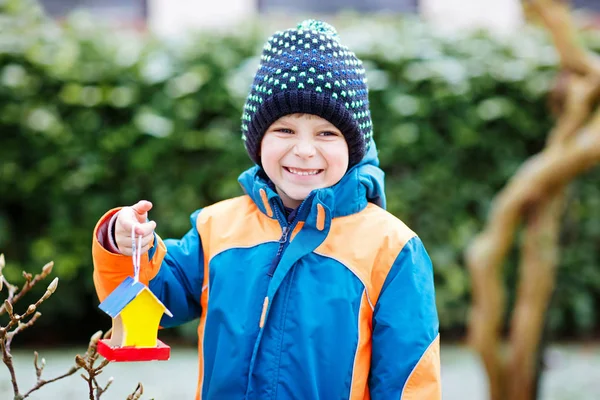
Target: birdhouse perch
[{"x": 136, "y": 314}]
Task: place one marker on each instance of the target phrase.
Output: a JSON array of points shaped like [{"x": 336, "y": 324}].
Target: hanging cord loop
[{"x": 136, "y": 249}]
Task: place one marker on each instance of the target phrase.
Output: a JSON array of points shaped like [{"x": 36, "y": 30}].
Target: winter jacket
[{"x": 337, "y": 304}]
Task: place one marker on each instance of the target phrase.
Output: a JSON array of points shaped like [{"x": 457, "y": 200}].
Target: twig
[
  {"x": 42, "y": 382},
  {"x": 87, "y": 363},
  {"x": 137, "y": 393},
  {"x": 13, "y": 296},
  {"x": 21, "y": 327},
  {"x": 7, "y": 359}
]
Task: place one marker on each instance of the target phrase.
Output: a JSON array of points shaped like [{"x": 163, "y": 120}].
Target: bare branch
[
  {"x": 538, "y": 176},
  {"x": 38, "y": 368},
  {"x": 7, "y": 359},
  {"x": 534, "y": 195},
  {"x": 41, "y": 382},
  {"x": 556, "y": 16},
  {"x": 12, "y": 290},
  {"x": 539, "y": 258},
  {"x": 581, "y": 94},
  {"x": 137, "y": 393},
  {"x": 13, "y": 296},
  {"x": 21, "y": 327}
]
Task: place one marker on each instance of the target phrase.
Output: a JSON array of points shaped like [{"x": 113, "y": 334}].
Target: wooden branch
[
  {"x": 537, "y": 177},
  {"x": 556, "y": 16},
  {"x": 12, "y": 289},
  {"x": 535, "y": 192},
  {"x": 41, "y": 382},
  {"x": 21, "y": 326},
  {"x": 137, "y": 393},
  {"x": 537, "y": 276},
  {"x": 13, "y": 298},
  {"x": 483, "y": 259},
  {"x": 15, "y": 318},
  {"x": 7, "y": 359},
  {"x": 580, "y": 95}
]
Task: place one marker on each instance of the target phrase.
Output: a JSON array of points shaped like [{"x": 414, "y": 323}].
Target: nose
[{"x": 304, "y": 148}]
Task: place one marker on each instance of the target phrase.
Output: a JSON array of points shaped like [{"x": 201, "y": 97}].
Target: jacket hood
[{"x": 362, "y": 184}]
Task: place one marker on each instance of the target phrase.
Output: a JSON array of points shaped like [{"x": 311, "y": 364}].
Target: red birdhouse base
[{"x": 129, "y": 353}]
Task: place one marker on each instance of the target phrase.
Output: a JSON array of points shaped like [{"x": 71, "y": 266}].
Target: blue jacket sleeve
[
  {"x": 178, "y": 283},
  {"x": 405, "y": 361}
]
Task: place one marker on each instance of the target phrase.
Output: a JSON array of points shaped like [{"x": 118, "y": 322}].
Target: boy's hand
[{"x": 136, "y": 215}]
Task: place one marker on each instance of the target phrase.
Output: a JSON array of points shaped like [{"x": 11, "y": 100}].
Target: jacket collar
[{"x": 363, "y": 183}]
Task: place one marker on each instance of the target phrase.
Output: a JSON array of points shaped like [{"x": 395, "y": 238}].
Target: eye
[
  {"x": 328, "y": 133},
  {"x": 284, "y": 130}
]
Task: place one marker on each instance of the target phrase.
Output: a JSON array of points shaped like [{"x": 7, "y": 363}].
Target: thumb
[{"x": 141, "y": 209}]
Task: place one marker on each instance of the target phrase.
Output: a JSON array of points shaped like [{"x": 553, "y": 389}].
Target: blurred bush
[{"x": 91, "y": 119}]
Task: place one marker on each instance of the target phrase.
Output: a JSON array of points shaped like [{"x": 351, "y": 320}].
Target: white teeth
[{"x": 304, "y": 173}]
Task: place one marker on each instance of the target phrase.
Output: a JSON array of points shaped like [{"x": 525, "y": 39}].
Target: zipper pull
[
  {"x": 263, "y": 314},
  {"x": 284, "y": 234}
]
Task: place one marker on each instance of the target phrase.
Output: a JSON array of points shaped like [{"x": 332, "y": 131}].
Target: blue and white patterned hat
[{"x": 308, "y": 70}]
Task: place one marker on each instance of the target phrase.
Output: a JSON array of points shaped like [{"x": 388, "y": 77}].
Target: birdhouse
[{"x": 136, "y": 314}]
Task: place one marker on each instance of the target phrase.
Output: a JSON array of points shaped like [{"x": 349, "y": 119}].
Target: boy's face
[{"x": 303, "y": 152}]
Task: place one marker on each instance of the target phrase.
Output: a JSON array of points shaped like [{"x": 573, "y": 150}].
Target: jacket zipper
[
  {"x": 282, "y": 243},
  {"x": 284, "y": 239}
]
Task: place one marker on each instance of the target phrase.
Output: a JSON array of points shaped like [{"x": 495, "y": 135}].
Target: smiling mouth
[{"x": 303, "y": 172}]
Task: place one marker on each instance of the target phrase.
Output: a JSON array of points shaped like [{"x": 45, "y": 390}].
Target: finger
[
  {"x": 124, "y": 242},
  {"x": 147, "y": 240},
  {"x": 125, "y": 221},
  {"x": 125, "y": 250},
  {"x": 145, "y": 229},
  {"x": 146, "y": 248},
  {"x": 141, "y": 208}
]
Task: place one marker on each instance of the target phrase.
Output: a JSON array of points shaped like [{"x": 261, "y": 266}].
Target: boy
[{"x": 305, "y": 287}]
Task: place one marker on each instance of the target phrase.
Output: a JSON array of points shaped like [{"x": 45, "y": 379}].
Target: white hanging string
[{"x": 136, "y": 249}]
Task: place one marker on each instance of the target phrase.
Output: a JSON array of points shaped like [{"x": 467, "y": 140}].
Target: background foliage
[{"x": 91, "y": 119}]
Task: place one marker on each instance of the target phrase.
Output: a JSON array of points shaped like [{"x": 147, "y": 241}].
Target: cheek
[
  {"x": 337, "y": 160},
  {"x": 270, "y": 154}
]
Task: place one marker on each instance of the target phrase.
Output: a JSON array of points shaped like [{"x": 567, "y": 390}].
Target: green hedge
[{"x": 91, "y": 119}]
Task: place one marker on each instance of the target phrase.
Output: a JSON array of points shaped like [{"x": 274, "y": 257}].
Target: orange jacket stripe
[
  {"x": 111, "y": 269},
  {"x": 320, "y": 217},
  {"x": 201, "y": 327},
  {"x": 202, "y": 323},
  {"x": 297, "y": 229},
  {"x": 424, "y": 381},
  {"x": 368, "y": 260},
  {"x": 232, "y": 230},
  {"x": 265, "y": 200},
  {"x": 359, "y": 388}
]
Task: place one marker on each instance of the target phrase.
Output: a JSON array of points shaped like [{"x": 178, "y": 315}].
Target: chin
[{"x": 298, "y": 195}]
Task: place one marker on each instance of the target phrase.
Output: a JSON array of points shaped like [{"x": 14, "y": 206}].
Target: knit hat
[{"x": 307, "y": 70}]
